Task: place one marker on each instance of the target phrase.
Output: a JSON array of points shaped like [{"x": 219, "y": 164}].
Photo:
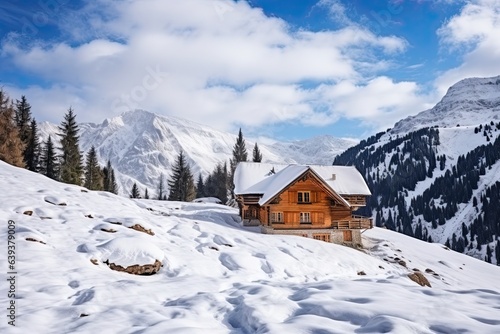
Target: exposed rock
[
  {"x": 139, "y": 228},
  {"x": 420, "y": 279},
  {"x": 83, "y": 315},
  {"x": 28, "y": 212},
  {"x": 213, "y": 248},
  {"x": 55, "y": 201},
  {"x": 94, "y": 261},
  {"x": 35, "y": 240},
  {"x": 109, "y": 230},
  {"x": 361, "y": 273},
  {"x": 402, "y": 263},
  {"x": 147, "y": 269},
  {"x": 89, "y": 216}
]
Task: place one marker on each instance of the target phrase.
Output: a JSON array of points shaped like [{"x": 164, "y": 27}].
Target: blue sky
[{"x": 279, "y": 69}]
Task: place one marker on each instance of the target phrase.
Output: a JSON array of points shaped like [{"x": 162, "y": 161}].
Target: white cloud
[
  {"x": 377, "y": 103},
  {"x": 337, "y": 11},
  {"x": 216, "y": 62},
  {"x": 474, "y": 32}
]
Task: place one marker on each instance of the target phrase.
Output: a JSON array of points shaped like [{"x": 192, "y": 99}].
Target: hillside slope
[{"x": 218, "y": 277}]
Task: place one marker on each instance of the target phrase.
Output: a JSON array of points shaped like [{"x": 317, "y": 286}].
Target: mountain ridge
[
  {"x": 471, "y": 101},
  {"x": 142, "y": 145}
]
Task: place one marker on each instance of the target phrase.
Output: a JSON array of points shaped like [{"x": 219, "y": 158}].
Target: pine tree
[
  {"x": 181, "y": 183},
  {"x": 23, "y": 118},
  {"x": 161, "y": 188},
  {"x": 239, "y": 149},
  {"x": 32, "y": 151},
  {"x": 93, "y": 174},
  {"x": 113, "y": 185},
  {"x": 239, "y": 154},
  {"x": 146, "y": 194},
  {"x": 134, "y": 193},
  {"x": 257, "y": 156},
  {"x": 200, "y": 187},
  {"x": 11, "y": 145},
  {"x": 48, "y": 160},
  {"x": 27, "y": 133},
  {"x": 109, "y": 181},
  {"x": 71, "y": 158}
]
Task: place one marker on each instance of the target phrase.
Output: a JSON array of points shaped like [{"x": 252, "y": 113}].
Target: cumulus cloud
[
  {"x": 474, "y": 35},
  {"x": 217, "y": 62}
]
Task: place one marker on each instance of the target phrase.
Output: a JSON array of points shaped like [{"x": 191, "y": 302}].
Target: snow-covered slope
[
  {"x": 142, "y": 145},
  {"x": 471, "y": 101},
  {"x": 218, "y": 277}
]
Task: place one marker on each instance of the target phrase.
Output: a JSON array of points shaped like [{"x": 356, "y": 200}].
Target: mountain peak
[{"x": 471, "y": 101}]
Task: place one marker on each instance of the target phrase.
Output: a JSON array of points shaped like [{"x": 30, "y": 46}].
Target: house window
[
  {"x": 304, "y": 197},
  {"x": 276, "y": 217},
  {"x": 305, "y": 218},
  {"x": 322, "y": 237}
]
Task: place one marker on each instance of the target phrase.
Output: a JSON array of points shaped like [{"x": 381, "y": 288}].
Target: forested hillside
[{"x": 436, "y": 184}]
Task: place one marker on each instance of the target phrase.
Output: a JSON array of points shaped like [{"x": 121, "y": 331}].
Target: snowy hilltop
[
  {"x": 213, "y": 276},
  {"x": 471, "y": 101},
  {"x": 142, "y": 145}
]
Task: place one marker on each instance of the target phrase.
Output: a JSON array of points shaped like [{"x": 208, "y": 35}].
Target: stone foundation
[{"x": 335, "y": 236}]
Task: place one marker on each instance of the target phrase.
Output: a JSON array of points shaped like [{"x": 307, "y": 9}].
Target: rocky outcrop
[
  {"x": 420, "y": 279},
  {"x": 147, "y": 269}
]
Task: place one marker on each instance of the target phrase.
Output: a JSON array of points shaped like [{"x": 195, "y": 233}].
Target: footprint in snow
[{"x": 227, "y": 261}]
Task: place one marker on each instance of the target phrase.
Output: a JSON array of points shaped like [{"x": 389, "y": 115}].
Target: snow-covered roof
[{"x": 257, "y": 178}]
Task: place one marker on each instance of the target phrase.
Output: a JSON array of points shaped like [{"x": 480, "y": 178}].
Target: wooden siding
[{"x": 320, "y": 208}]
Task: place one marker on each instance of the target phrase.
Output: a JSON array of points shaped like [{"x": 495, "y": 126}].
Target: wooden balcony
[
  {"x": 356, "y": 200},
  {"x": 357, "y": 222}
]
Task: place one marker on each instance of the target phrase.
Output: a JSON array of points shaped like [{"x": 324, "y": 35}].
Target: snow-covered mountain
[
  {"x": 142, "y": 145},
  {"x": 471, "y": 101},
  {"x": 216, "y": 276},
  {"x": 436, "y": 176}
]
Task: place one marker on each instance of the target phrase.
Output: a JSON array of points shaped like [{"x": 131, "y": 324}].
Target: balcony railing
[{"x": 356, "y": 222}]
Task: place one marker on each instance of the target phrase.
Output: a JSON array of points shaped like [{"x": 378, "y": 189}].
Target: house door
[{"x": 348, "y": 236}]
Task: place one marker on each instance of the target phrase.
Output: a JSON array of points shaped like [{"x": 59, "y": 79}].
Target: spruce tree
[
  {"x": 200, "y": 187},
  {"x": 146, "y": 194},
  {"x": 181, "y": 183},
  {"x": 109, "y": 182},
  {"x": 32, "y": 151},
  {"x": 257, "y": 155},
  {"x": 239, "y": 149},
  {"x": 48, "y": 160},
  {"x": 23, "y": 118},
  {"x": 239, "y": 154},
  {"x": 11, "y": 145},
  {"x": 71, "y": 158},
  {"x": 93, "y": 174},
  {"x": 134, "y": 193},
  {"x": 161, "y": 188},
  {"x": 113, "y": 185}
]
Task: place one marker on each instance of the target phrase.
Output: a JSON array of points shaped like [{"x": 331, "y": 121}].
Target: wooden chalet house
[{"x": 312, "y": 201}]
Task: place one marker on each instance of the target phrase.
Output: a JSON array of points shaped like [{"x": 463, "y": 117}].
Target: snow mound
[
  {"x": 129, "y": 251},
  {"x": 208, "y": 200}
]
